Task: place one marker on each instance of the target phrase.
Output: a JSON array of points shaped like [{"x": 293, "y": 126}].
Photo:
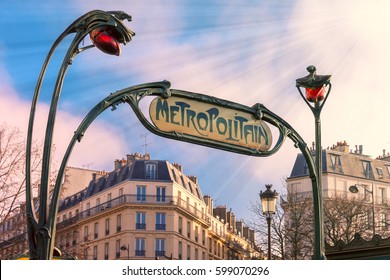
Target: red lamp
[
  {"x": 106, "y": 39},
  {"x": 315, "y": 85},
  {"x": 315, "y": 94}
]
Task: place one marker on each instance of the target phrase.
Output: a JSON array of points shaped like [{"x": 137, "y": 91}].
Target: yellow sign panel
[{"x": 209, "y": 121}]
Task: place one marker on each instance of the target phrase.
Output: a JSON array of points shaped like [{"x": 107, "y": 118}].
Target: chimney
[
  {"x": 94, "y": 177},
  {"x": 341, "y": 147},
  {"x": 360, "y": 149},
  {"x": 178, "y": 167},
  {"x": 117, "y": 164},
  {"x": 209, "y": 203},
  {"x": 193, "y": 179}
]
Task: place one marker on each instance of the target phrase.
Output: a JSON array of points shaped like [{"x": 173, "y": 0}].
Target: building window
[
  {"x": 180, "y": 251},
  {"x": 118, "y": 248},
  {"x": 180, "y": 225},
  {"x": 95, "y": 251},
  {"x": 335, "y": 161},
  {"x": 174, "y": 175},
  {"x": 196, "y": 234},
  {"x": 160, "y": 194},
  {"x": 196, "y": 254},
  {"x": 384, "y": 221},
  {"x": 86, "y": 233},
  {"x": 118, "y": 223},
  {"x": 74, "y": 241},
  {"x": 367, "y": 169},
  {"x": 189, "y": 184},
  {"x": 182, "y": 181},
  {"x": 388, "y": 169},
  {"x": 160, "y": 247},
  {"x": 140, "y": 220},
  {"x": 203, "y": 237},
  {"x": 189, "y": 229},
  {"x": 151, "y": 171},
  {"x": 106, "y": 250},
  {"x": 121, "y": 197},
  {"x": 96, "y": 230},
  {"x": 188, "y": 252},
  {"x": 109, "y": 200},
  {"x": 382, "y": 195},
  {"x": 88, "y": 207},
  {"x": 107, "y": 226},
  {"x": 141, "y": 193},
  {"x": 97, "y": 201},
  {"x": 379, "y": 170},
  {"x": 160, "y": 221},
  {"x": 140, "y": 247},
  {"x": 85, "y": 254}
]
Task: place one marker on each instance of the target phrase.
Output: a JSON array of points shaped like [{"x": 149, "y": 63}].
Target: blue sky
[{"x": 245, "y": 51}]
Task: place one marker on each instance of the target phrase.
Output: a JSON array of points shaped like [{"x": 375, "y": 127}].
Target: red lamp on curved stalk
[
  {"x": 106, "y": 39},
  {"x": 107, "y": 32},
  {"x": 317, "y": 89}
]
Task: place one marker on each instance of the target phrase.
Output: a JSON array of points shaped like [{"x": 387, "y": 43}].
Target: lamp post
[
  {"x": 107, "y": 32},
  {"x": 317, "y": 89},
  {"x": 268, "y": 200},
  {"x": 355, "y": 189},
  {"x": 126, "y": 248}
]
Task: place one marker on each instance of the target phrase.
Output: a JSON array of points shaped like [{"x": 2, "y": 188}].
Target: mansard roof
[
  {"x": 72, "y": 200},
  {"x": 348, "y": 164},
  {"x": 136, "y": 171}
]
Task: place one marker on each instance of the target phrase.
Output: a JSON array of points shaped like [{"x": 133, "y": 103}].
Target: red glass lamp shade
[
  {"x": 315, "y": 94},
  {"x": 105, "y": 39}
]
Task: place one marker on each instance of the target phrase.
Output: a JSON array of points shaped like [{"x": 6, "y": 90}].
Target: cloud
[{"x": 100, "y": 138}]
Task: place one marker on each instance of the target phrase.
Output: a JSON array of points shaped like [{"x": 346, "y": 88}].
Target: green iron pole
[
  {"x": 41, "y": 230},
  {"x": 315, "y": 92}
]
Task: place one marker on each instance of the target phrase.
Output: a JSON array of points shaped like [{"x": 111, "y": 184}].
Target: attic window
[
  {"x": 335, "y": 161},
  {"x": 367, "y": 169},
  {"x": 189, "y": 184},
  {"x": 182, "y": 180},
  {"x": 151, "y": 171},
  {"x": 380, "y": 172}
]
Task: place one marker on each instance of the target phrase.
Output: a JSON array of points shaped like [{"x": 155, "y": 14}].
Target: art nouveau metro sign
[{"x": 209, "y": 121}]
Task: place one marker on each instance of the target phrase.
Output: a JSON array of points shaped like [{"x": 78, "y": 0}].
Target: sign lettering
[{"x": 210, "y": 121}]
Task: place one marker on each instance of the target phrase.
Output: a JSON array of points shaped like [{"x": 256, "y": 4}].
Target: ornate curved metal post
[
  {"x": 101, "y": 25},
  {"x": 316, "y": 93}
]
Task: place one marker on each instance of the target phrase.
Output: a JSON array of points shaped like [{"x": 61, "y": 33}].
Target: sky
[{"x": 244, "y": 51}]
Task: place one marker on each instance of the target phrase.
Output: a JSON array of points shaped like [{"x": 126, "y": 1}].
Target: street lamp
[
  {"x": 317, "y": 91},
  {"x": 126, "y": 248},
  {"x": 268, "y": 204},
  {"x": 355, "y": 189},
  {"x": 107, "y": 32}
]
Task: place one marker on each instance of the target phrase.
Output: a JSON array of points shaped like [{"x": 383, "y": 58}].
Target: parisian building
[
  {"x": 342, "y": 168},
  {"x": 144, "y": 209}
]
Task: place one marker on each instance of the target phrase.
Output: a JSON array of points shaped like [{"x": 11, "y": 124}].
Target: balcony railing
[
  {"x": 140, "y": 226},
  {"x": 160, "y": 253},
  {"x": 160, "y": 226},
  {"x": 132, "y": 199},
  {"x": 140, "y": 253}
]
